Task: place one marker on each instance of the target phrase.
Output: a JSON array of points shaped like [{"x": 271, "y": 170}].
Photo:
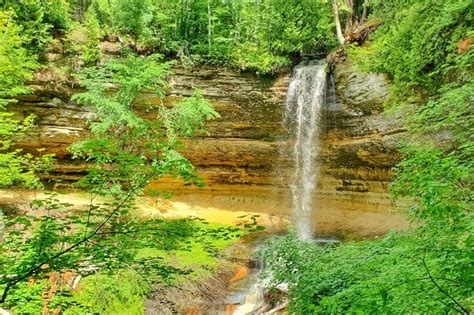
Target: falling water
[{"x": 306, "y": 95}]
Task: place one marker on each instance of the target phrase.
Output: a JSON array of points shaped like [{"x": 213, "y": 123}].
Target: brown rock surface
[{"x": 240, "y": 157}]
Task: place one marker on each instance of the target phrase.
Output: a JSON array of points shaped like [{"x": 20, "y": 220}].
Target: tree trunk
[
  {"x": 364, "y": 11},
  {"x": 184, "y": 19},
  {"x": 337, "y": 20},
  {"x": 349, "y": 16},
  {"x": 2, "y": 226},
  {"x": 209, "y": 25}
]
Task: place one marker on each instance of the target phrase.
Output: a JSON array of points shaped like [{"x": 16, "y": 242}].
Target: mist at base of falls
[{"x": 306, "y": 96}]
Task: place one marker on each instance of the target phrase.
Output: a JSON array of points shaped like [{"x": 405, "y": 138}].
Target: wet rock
[{"x": 360, "y": 91}]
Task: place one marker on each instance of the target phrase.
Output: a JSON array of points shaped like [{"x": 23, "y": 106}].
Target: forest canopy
[{"x": 255, "y": 35}]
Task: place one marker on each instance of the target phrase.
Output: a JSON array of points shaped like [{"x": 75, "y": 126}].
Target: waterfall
[{"x": 306, "y": 96}]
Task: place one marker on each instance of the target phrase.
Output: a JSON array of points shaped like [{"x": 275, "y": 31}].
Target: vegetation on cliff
[
  {"x": 16, "y": 66},
  {"x": 255, "y": 35}
]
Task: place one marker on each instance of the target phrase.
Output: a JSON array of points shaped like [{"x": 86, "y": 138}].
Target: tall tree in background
[{"x": 337, "y": 21}]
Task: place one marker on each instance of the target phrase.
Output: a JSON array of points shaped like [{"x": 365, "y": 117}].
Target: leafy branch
[{"x": 33, "y": 270}]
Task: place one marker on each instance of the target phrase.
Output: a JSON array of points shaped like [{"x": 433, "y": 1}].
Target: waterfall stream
[{"x": 306, "y": 96}]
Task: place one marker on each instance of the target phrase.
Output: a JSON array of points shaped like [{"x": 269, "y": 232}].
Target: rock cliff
[
  {"x": 241, "y": 155},
  {"x": 359, "y": 150}
]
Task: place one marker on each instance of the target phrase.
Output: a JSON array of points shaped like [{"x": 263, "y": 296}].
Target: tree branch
[
  {"x": 38, "y": 266},
  {"x": 464, "y": 310}
]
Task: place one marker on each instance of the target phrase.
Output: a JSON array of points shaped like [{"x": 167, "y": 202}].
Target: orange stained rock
[
  {"x": 191, "y": 311},
  {"x": 230, "y": 309},
  {"x": 465, "y": 44},
  {"x": 240, "y": 272},
  {"x": 50, "y": 291}
]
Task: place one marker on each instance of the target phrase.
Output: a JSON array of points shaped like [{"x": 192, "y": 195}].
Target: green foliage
[
  {"x": 298, "y": 26},
  {"x": 253, "y": 35},
  {"x": 127, "y": 152},
  {"x": 440, "y": 182},
  {"x": 172, "y": 251},
  {"x": 418, "y": 47},
  {"x": 249, "y": 56},
  {"x": 91, "y": 52},
  {"x": 249, "y": 35},
  {"x": 433, "y": 86},
  {"x": 16, "y": 167},
  {"x": 121, "y": 294},
  {"x": 127, "y": 147},
  {"x": 262, "y": 35},
  {"x": 131, "y": 16},
  {"x": 57, "y": 14},
  {"x": 156, "y": 250},
  {"x": 27, "y": 298},
  {"x": 16, "y": 67},
  {"x": 187, "y": 117},
  {"x": 397, "y": 275},
  {"x": 37, "y": 19},
  {"x": 446, "y": 110},
  {"x": 103, "y": 13},
  {"x": 83, "y": 39},
  {"x": 29, "y": 15}
]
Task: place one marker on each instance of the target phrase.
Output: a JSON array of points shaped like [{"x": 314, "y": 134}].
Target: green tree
[
  {"x": 83, "y": 39},
  {"x": 16, "y": 64},
  {"x": 16, "y": 67},
  {"x": 126, "y": 153},
  {"x": 132, "y": 16},
  {"x": 254, "y": 35},
  {"x": 37, "y": 19}
]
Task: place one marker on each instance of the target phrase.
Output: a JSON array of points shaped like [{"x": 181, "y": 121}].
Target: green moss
[
  {"x": 200, "y": 256},
  {"x": 119, "y": 294}
]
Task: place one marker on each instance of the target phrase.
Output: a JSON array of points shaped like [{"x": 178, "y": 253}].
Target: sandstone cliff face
[
  {"x": 359, "y": 151},
  {"x": 241, "y": 157}
]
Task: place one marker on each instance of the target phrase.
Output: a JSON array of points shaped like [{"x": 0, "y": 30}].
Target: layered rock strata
[{"x": 241, "y": 156}]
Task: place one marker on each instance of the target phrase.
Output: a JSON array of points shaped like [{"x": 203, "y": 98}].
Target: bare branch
[{"x": 464, "y": 310}]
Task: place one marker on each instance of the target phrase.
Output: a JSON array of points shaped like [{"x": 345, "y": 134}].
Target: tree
[
  {"x": 127, "y": 152},
  {"x": 37, "y": 19},
  {"x": 337, "y": 21},
  {"x": 132, "y": 16},
  {"x": 16, "y": 67},
  {"x": 16, "y": 64},
  {"x": 349, "y": 17}
]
